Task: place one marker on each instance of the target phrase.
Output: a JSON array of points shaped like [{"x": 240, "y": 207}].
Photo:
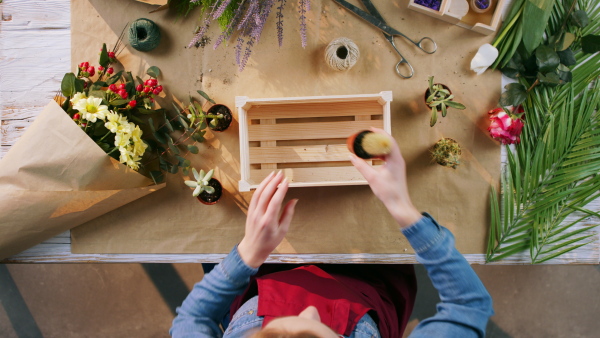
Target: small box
[
  {"x": 306, "y": 137},
  {"x": 484, "y": 23}
]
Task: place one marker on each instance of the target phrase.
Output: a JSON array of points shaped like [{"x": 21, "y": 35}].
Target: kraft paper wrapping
[
  {"x": 328, "y": 219},
  {"x": 56, "y": 178}
]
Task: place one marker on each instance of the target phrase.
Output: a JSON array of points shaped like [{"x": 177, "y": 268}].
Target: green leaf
[
  {"x": 590, "y": 43},
  {"x": 567, "y": 41},
  {"x": 153, "y": 72},
  {"x": 579, "y": 18},
  {"x": 567, "y": 57},
  {"x": 146, "y": 111},
  {"x": 209, "y": 189},
  {"x": 139, "y": 80},
  {"x": 174, "y": 169},
  {"x": 193, "y": 149},
  {"x": 538, "y": 12},
  {"x": 67, "y": 86},
  {"x": 433, "y": 117},
  {"x": 204, "y": 95},
  {"x": 98, "y": 93},
  {"x": 551, "y": 79},
  {"x": 455, "y": 105},
  {"x": 565, "y": 76},
  {"x": 546, "y": 59},
  {"x": 160, "y": 137},
  {"x": 104, "y": 59},
  {"x": 118, "y": 102},
  {"x": 444, "y": 111},
  {"x": 115, "y": 78},
  {"x": 514, "y": 95},
  {"x": 514, "y": 67},
  {"x": 198, "y": 137},
  {"x": 151, "y": 125}
]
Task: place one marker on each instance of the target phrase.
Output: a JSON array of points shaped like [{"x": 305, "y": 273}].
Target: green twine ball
[{"x": 144, "y": 35}]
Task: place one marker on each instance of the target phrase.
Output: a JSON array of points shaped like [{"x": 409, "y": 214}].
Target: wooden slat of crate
[
  {"x": 315, "y": 110},
  {"x": 317, "y": 153},
  {"x": 307, "y": 177},
  {"x": 268, "y": 164},
  {"x": 308, "y": 131}
]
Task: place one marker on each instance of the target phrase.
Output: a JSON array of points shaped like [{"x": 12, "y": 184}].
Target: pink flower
[{"x": 506, "y": 127}]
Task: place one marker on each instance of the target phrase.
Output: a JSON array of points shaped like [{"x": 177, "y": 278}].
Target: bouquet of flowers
[{"x": 79, "y": 158}]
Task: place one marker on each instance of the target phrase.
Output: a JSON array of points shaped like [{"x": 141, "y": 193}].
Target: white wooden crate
[{"x": 306, "y": 137}]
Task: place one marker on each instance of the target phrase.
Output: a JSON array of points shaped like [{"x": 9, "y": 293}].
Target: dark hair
[{"x": 274, "y": 333}]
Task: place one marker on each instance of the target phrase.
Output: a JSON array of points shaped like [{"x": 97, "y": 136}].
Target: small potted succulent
[
  {"x": 207, "y": 189},
  {"x": 438, "y": 97},
  {"x": 222, "y": 117},
  {"x": 481, "y": 6},
  {"x": 446, "y": 152}
]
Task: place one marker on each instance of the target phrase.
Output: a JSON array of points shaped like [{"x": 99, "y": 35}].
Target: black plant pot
[
  {"x": 222, "y": 123},
  {"x": 210, "y": 199}
]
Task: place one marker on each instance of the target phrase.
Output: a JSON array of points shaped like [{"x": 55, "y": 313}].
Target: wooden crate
[
  {"x": 306, "y": 137},
  {"x": 483, "y": 23}
]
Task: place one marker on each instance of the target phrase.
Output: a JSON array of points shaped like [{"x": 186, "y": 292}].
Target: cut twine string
[
  {"x": 144, "y": 35},
  {"x": 341, "y": 54}
]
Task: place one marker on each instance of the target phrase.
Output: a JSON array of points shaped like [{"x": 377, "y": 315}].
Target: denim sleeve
[
  {"x": 209, "y": 301},
  {"x": 465, "y": 303}
]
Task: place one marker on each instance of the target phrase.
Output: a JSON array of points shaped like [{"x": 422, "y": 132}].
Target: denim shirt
[{"x": 464, "y": 309}]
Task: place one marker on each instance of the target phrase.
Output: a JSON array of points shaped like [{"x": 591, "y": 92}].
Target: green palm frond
[{"x": 554, "y": 172}]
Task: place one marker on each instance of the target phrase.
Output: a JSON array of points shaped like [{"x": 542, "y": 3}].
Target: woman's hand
[
  {"x": 388, "y": 183},
  {"x": 265, "y": 229}
]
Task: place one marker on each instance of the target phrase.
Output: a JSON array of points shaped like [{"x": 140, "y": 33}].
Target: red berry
[
  {"x": 76, "y": 116},
  {"x": 147, "y": 82},
  {"x": 153, "y": 82},
  {"x": 112, "y": 88},
  {"x": 91, "y": 70},
  {"x": 111, "y": 55},
  {"x": 85, "y": 64},
  {"x": 156, "y": 91},
  {"x": 139, "y": 88},
  {"x": 132, "y": 103},
  {"x": 122, "y": 86},
  {"x": 85, "y": 85},
  {"x": 100, "y": 68},
  {"x": 110, "y": 70},
  {"x": 123, "y": 93},
  {"x": 147, "y": 90},
  {"x": 84, "y": 124},
  {"x": 159, "y": 88},
  {"x": 81, "y": 65}
]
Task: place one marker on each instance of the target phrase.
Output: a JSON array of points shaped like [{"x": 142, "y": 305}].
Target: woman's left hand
[{"x": 265, "y": 229}]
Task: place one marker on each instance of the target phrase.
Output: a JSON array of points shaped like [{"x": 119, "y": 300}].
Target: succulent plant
[
  {"x": 201, "y": 183},
  {"x": 446, "y": 152},
  {"x": 439, "y": 98}
]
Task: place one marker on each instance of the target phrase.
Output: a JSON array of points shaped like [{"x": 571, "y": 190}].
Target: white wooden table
[{"x": 35, "y": 49}]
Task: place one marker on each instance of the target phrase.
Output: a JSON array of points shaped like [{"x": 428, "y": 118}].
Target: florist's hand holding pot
[
  {"x": 388, "y": 183},
  {"x": 265, "y": 229}
]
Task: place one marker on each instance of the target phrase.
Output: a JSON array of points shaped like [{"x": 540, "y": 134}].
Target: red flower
[{"x": 504, "y": 127}]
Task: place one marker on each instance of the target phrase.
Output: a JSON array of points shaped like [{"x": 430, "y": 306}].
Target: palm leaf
[{"x": 552, "y": 173}]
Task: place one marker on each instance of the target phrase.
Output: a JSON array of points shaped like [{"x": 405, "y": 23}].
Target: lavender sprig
[
  {"x": 302, "y": 5},
  {"x": 279, "y": 16},
  {"x": 219, "y": 11},
  {"x": 228, "y": 31}
]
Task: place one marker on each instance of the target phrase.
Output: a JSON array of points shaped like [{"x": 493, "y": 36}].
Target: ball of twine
[
  {"x": 341, "y": 54},
  {"x": 144, "y": 35}
]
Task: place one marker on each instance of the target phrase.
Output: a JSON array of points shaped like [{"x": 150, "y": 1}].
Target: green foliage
[
  {"x": 70, "y": 85},
  {"x": 590, "y": 43},
  {"x": 552, "y": 173}
]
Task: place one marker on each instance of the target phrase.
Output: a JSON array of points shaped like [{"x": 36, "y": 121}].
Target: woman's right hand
[{"x": 388, "y": 183}]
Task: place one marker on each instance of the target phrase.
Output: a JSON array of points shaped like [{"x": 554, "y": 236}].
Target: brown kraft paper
[
  {"x": 328, "y": 219},
  {"x": 56, "y": 178}
]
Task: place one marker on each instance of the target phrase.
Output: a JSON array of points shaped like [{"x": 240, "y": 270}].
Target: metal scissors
[{"x": 375, "y": 19}]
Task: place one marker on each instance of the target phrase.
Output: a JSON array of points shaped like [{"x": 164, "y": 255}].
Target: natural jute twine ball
[
  {"x": 144, "y": 35},
  {"x": 341, "y": 54}
]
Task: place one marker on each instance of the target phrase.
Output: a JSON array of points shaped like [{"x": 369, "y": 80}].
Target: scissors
[{"x": 375, "y": 19}]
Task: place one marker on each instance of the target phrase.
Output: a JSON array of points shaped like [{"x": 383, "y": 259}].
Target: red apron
[{"x": 342, "y": 296}]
